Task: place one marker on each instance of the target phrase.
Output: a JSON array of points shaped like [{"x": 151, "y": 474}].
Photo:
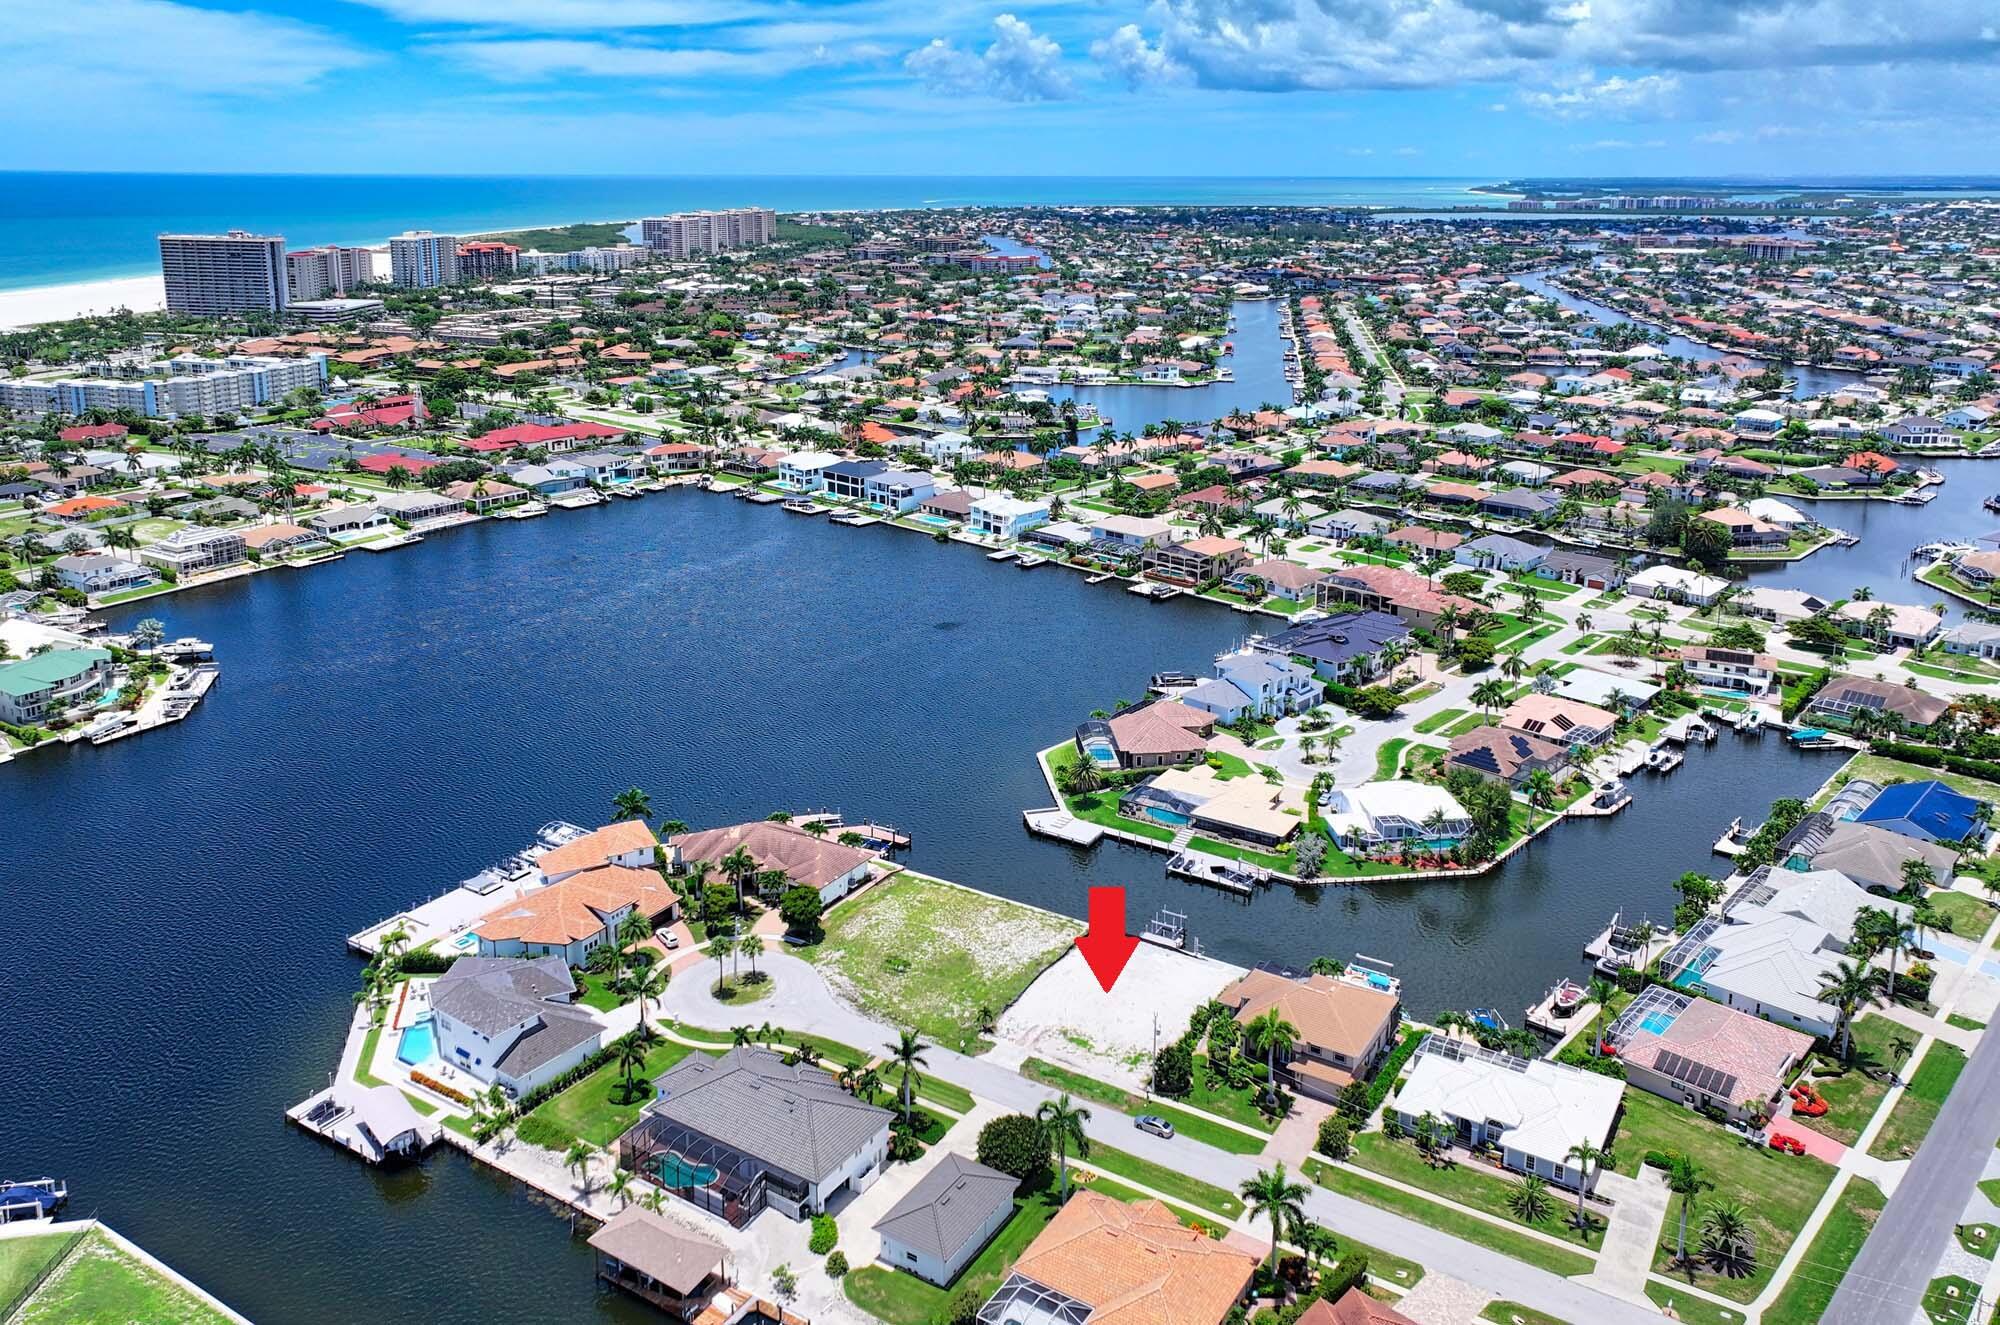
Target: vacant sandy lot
[{"x": 1067, "y": 1018}]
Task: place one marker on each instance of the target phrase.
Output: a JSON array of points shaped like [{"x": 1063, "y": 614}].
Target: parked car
[
  {"x": 1152, "y": 1122},
  {"x": 673, "y": 940}
]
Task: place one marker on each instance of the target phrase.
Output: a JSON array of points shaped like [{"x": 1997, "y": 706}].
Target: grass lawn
[
  {"x": 21, "y": 1259},
  {"x": 1466, "y": 1183},
  {"x": 1910, "y": 1121},
  {"x": 1879, "y": 768},
  {"x": 920, "y": 953},
  {"x": 153, "y": 529},
  {"x": 1439, "y": 720},
  {"x": 1964, "y": 1023},
  {"x": 596, "y": 1109},
  {"x": 1124, "y": 1101},
  {"x": 904, "y": 1299},
  {"x": 1853, "y": 1096},
  {"x": 1227, "y": 765},
  {"x": 1458, "y": 1224},
  {"x": 939, "y": 1091},
  {"x": 1239, "y": 1106},
  {"x": 1978, "y": 1239},
  {"x": 1970, "y": 917},
  {"x": 598, "y": 993},
  {"x": 1513, "y": 1313},
  {"x": 1282, "y": 861},
  {"x": 1689, "y": 1308},
  {"x": 1166, "y": 1181},
  {"x": 103, "y": 1283},
  {"x": 1951, "y": 1299},
  {"x": 1388, "y": 757},
  {"x": 1472, "y": 722},
  {"x": 1778, "y": 1191},
  {"x": 1804, "y": 1298}
]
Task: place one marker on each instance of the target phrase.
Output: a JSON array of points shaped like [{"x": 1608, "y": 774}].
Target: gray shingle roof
[
  {"x": 491, "y": 994},
  {"x": 793, "y": 1118},
  {"x": 948, "y": 1207}
]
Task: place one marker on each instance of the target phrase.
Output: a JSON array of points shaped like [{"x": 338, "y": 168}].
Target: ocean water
[{"x": 56, "y": 228}]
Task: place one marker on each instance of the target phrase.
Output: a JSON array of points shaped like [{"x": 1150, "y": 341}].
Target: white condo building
[
  {"x": 315, "y": 273},
  {"x": 212, "y": 275},
  {"x": 682, "y": 235},
  {"x": 419, "y": 259},
  {"x": 192, "y": 385}
]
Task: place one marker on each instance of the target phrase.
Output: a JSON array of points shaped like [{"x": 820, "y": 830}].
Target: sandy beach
[{"x": 53, "y": 303}]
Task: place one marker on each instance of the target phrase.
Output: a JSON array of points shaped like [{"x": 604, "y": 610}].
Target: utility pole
[{"x": 1156, "y": 1057}]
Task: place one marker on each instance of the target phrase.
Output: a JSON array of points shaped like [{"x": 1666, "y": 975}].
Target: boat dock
[
  {"x": 1169, "y": 929},
  {"x": 377, "y": 1123},
  {"x": 176, "y": 702},
  {"x": 1620, "y": 946},
  {"x": 1063, "y": 826},
  {"x": 1732, "y": 841},
  {"x": 877, "y": 837},
  {"x": 1228, "y": 875},
  {"x": 1558, "y": 1012},
  {"x": 447, "y": 919}
]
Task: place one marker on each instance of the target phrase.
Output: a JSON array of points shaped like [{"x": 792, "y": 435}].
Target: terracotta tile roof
[
  {"x": 1327, "y": 1013},
  {"x": 1354, "y": 1308},
  {"x": 578, "y": 907},
  {"x": 1136, "y": 1264},
  {"x": 810, "y": 861},
  {"x": 593, "y": 849}
]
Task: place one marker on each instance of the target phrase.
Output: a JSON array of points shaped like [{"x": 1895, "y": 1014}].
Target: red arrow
[{"x": 1107, "y": 947}]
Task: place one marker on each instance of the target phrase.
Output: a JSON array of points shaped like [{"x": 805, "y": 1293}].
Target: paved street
[{"x": 1888, "y": 1278}]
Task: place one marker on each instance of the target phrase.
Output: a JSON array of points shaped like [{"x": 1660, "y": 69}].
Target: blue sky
[{"x": 1106, "y": 87}]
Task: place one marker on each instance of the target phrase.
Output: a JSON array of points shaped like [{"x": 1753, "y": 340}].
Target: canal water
[
  {"x": 1256, "y": 360},
  {"x": 388, "y": 724}
]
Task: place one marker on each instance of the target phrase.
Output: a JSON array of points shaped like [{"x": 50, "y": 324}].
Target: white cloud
[
  {"x": 1020, "y": 65},
  {"x": 1582, "y": 95},
  {"x": 158, "y": 46},
  {"x": 1137, "y": 62},
  {"x": 571, "y": 15},
  {"x": 529, "y": 59}
]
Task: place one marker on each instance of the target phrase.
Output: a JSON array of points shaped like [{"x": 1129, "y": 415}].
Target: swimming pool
[
  {"x": 418, "y": 1044},
  {"x": 1172, "y": 818},
  {"x": 1101, "y": 753},
  {"x": 676, "y": 1173},
  {"x": 1656, "y": 1022},
  {"x": 466, "y": 942},
  {"x": 1377, "y": 980},
  {"x": 934, "y": 521}
]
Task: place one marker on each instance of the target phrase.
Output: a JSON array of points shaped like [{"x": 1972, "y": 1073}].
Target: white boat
[
  {"x": 1031, "y": 561},
  {"x": 187, "y": 646},
  {"x": 1750, "y": 721},
  {"x": 529, "y": 510},
  {"x": 804, "y": 506},
  {"x": 1664, "y": 761}
]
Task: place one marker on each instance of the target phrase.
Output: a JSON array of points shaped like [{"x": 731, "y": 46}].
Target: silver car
[{"x": 1158, "y": 1126}]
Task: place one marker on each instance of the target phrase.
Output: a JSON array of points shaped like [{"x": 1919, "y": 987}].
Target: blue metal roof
[{"x": 1928, "y": 810}]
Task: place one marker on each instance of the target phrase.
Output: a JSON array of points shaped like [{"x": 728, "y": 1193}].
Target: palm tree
[
  {"x": 1269, "y": 1033},
  {"x": 1600, "y": 992},
  {"x": 620, "y": 1187},
  {"x": 631, "y": 803},
  {"x": 629, "y": 1052},
  {"x": 1727, "y": 1240},
  {"x": 577, "y": 1158},
  {"x": 739, "y": 865},
  {"x": 1530, "y": 1200},
  {"x": 739, "y": 1037},
  {"x": 1541, "y": 785},
  {"x": 652, "y": 985},
  {"x": 1063, "y": 1122},
  {"x": 1685, "y": 1180},
  {"x": 1274, "y": 1196},
  {"x": 1587, "y": 1157},
  {"x": 751, "y": 946},
  {"x": 908, "y": 1054},
  {"x": 1848, "y": 987},
  {"x": 1489, "y": 694}
]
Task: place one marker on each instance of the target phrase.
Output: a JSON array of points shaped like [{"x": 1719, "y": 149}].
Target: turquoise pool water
[
  {"x": 1656, "y": 1022},
  {"x": 1172, "y": 818},
  {"x": 1688, "y": 979},
  {"x": 934, "y": 521},
  {"x": 418, "y": 1044},
  {"x": 110, "y": 696},
  {"x": 676, "y": 1173}
]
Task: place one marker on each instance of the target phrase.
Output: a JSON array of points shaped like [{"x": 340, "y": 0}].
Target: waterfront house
[
  {"x": 1564, "y": 721},
  {"x": 1351, "y": 648},
  {"x": 1348, "y": 524},
  {"x": 628, "y": 843},
  {"x": 278, "y": 540},
  {"x": 1253, "y": 683},
  {"x": 1521, "y": 504},
  {"x": 1507, "y": 756},
  {"x": 945, "y": 1219},
  {"x": 1616, "y": 692},
  {"x": 1527, "y": 1111},
  {"x": 680, "y": 457},
  {"x": 824, "y": 864},
  {"x": 805, "y": 471},
  {"x": 1676, "y": 584},
  {"x": 1927, "y": 811},
  {"x": 1246, "y": 809},
  {"x": 849, "y": 478},
  {"x": 1735, "y": 670},
  {"x": 1388, "y": 589},
  {"x": 661, "y": 1263},
  {"x": 1423, "y": 539},
  {"x": 898, "y": 490},
  {"x": 355, "y": 519},
  {"x": 1498, "y": 552},
  {"x": 1005, "y": 518},
  {"x": 1587, "y": 569},
  {"x": 511, "y": 1023},
  {"x": 42, "y": 685},
  {"x": 1972, "y": 639},
  {"x": 1775, "y": 940},
  {"x": 578, "y": 913},
  {"x": 1196, "y": 561},
  {"x": 608, "y": 467},
  {"x": 1345, "y": 1024},
  {"x": 418, "y": 507},
  {"x": 1275, "y": 575},
  {"x": 953, "y": 505},
  {"x": 1705, "y": 1055},
  {"x": 482, "y": 495},
  {"x": 1103, "y": 1261},
  {"x": 100, "y": 573},
  {"x": 194, "y": 550},
  {"x": 1899, "y": 625},
  {"x": 548, "y": 478},
  {"x": 1379, "y": 814},
  {"x": 1135, "y": 533},
  {"x": 1155, "y": 734},
  {"x": 746, "y": 1132},
  {"x": 1846, "y": 695},
  {"x": 1783, "y": 606},
  {"x": 1869, "y": 853}
]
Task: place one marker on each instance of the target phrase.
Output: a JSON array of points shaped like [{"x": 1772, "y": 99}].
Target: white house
[
  {"x": 1005, "y": 518},
  {"x": 1257, "y": 684},
  {"x": 806, "y": 470},
  {"x": 102, "y": 572},
  {"x": 1529, "y": 1110},
  {"x": 510, "y": 1022},
  {"x": 1763, "y": 421},
  {"x": 1676, "y": 584},
  {"x": 900, "y": 490},
  {"x": 945, "y": 1219},
  {"x": 1376, "y": 813}
]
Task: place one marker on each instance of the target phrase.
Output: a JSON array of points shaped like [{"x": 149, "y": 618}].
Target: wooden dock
[{"x": 1063, "y": 826}]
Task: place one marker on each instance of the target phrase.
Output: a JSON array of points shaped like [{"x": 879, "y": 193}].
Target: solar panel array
[{"x": 1699, "y": 1075}]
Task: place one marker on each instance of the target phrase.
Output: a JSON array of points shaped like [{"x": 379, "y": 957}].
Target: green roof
[{"x": 48, "y": 669}]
